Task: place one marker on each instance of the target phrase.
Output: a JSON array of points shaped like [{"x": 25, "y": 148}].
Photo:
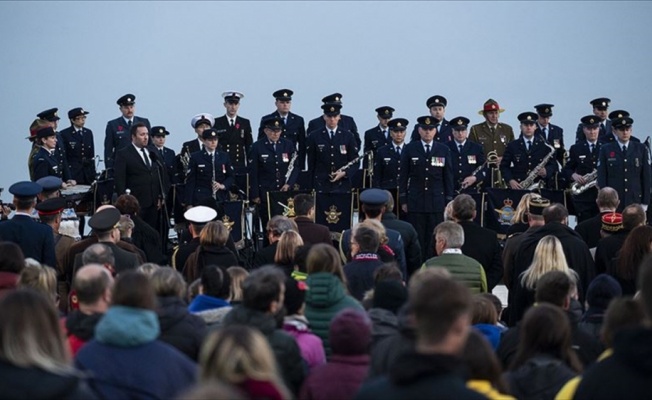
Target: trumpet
[{"x": 591, "y": 180}]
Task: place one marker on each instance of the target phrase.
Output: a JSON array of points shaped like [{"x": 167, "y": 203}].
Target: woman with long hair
[
  {"x": 41, "y": 278},
  {"x": 548, "y": 256},
  {"x": 34, "y": 359},
  {"x": 485, "y": 374},
  {"x": 286, "y": 250},
  {"x": 212, "y": 250},
  {"x": 327, "y": 294},
  {"x": 519, "y": 221},
  {"x": 241, "y": 356},
  {"x": 545, "y": 360},
  {"x": 636, "y": 248}
]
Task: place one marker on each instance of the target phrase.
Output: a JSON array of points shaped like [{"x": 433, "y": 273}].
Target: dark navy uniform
[
  {"x": 346, "y": 124},
  {"x": 466, "y": 161},
  {"x": 583, "y": 160},
  {"x": 627, "y": 172},
  {"x": 168, "y": 157},
  {"x": 326, "y": 155},
  {"x": 80, "y": 152},
  {"x": 444, "y": 133},
  {"x": 269, "y": 167},
  {"x": 47, "y": 163},
  {"x": 118, "y": 136},
  {"x": 387, "y": 166},
  {"x": 517, "y": 162},
  {"x": 199, "y": 180},
  {"x": 375, "y": 138},
  {"x": 294, "y": 130},
  {"x": 234, "y": 140}
]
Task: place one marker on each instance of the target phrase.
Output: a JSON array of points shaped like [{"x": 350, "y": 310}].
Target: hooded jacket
[
  {"x": 211, "y": 309},
  {"x": 179, "y": 328},
  {"x": 540, "y": 378}
]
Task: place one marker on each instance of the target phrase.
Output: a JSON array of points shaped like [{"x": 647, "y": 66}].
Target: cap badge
[
  {"x": 332, "y": 108},
  {"x": 55, "y": 114},
  {"x": 427, "y": 121},
  {"x": 128, "y": 98},
  {"x": 160, "y": 130},
  {"x": 399, "y": 124},
  {"x": 386, "y": 112},
  {"x": 623, "y": 122},
  {"x": 460, "y": 122},
  {"x": 529, "y": 118},
  {"x": 212, "y": 133},
  {"x": 275, "y": 123},
  {"x": 493, "y": 106},
  {"x": 285, "y": 94},
  {"x": 591, "y": 120},
  {"x": 337, "y": 98},
  {"x": 436, "y": 100},
  {"x": 547, "y": 110},
  {"x": 604, "y": 103}
]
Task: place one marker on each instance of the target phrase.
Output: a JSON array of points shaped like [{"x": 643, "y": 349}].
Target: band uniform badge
[
  {"x": 227, "y": 222},
  {"x": 506, "y": 212},
  {"x": 332, "y": 215}
]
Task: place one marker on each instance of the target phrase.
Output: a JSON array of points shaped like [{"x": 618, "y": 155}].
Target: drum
[{"x": 79, "y": 197}]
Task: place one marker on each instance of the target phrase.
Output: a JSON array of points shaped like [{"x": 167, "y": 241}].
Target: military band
[
  {"x": 437, "y": 107},
  {"x": 346, "y": 122},
  {"x": 80, "y": 147},
  {"x": 468, "y": 157},
  {"x": 387, "y": 162},
  {"x": 118, "y": 131}
]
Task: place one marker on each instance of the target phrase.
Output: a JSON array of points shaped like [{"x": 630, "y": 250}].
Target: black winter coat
[{"x": 180, "y": 328}]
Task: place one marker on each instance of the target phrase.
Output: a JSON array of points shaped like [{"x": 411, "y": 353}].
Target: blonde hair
[
  {"x": 287, "y": 247},
  {"x": 168, "y": 282},
  {"x": 40, "y": 278},
  {"x": 238, "y": 275},
  {"x": 375, "y": 225},
  {"x": 523, "y": 208},
  {"x": 548, "y": 256},
  {"x": 236, "y": 353},
  {"x": 214, "y": 233}
]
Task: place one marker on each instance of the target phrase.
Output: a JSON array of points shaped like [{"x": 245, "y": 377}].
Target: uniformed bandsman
[
  {"x": 199, "y": 123},
  {"x": 600, "y": 109},
  {"x": 387, "y": 163},
  {"x": 551, "y": 133},
  {"x": 234, "y": 131},
  {"x": 524, "y": 154},
  {"x": 491, "y": 134},
  {"x": 159, "y": 136},
  {"x": 625, "y": 166},
  {"x": 294, "y": 127},
  {"x": 611, "y": 136},
  {"x": 118, "y": 131},
  {"x": 426, "y": 182},
  {"x": 346, "y": 123},
  {"x": 468, "y": 157},
  {"x": 379, "y": 136},
  {"x": 80, "y": 147},
  {"x": 329, "y": 149},
  {"x": 582, "y": 161},
  {"x": 47, "y": 161},
  {"x": 437, "y": 107},
  {"x": 34, "y": 127},
  {"x": 210, "y": 173}
]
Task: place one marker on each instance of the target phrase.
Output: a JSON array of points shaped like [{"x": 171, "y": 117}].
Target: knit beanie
[
  {"x": 601, "y": 290},
  {"x": 350, "y": 333},
  {"x": 390, "y": 295}
]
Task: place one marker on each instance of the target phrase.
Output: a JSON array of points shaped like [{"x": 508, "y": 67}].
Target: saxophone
[
  {"x": 528, "y": 183},
  {"x": 591, "y": 180}
]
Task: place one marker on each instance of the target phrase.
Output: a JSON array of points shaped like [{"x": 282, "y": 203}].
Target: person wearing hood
[
  {"x": 262, "y": 303},
  {"x": 601, "y": 291},
  {"x": 212, "y": 303},
  {"x": 179, "y": 328},
  {"x": 389, "y": 297},
  {"x": 125, "y": 357}
]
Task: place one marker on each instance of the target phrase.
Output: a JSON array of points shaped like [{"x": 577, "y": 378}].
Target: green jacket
[
  {"x": 325, "y": 298},
  {"x": 463, "y": 268}
]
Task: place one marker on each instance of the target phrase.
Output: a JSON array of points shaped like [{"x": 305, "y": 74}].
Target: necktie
[
  {"x": 460, "y": 147},
  {"x": 231, "y": 121},
  {"x": 427, "y": 149},
  {"x": 624, "y": 149},
  {"x": 128, "y": 123},
  {"x": 274, "y": 146},
  {"x": 592, "y": 147},
  {"x": 332, "y": 134},
  {"x": 285, "y": 120},
  {"x": 385, "y": 134},
  {"x": 162, "y": 153},
  {"x": 492, "y": 130},
  {"x": 146, "y": 159},
  {"x": 398, "y": 150},
  {"x": 527, "y": 145},
  {"x": 545, "y": 132}
]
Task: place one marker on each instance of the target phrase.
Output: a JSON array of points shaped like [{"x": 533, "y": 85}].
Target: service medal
[
  {"x": 556, "y": 144},
  {"x": 472, "y": 160},
  {"x": 285, "y": 157},
  {"x": 342, "y": 149}
]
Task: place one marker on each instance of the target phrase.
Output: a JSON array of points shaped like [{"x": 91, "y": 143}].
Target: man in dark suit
[
  {"x": 408, "y": 234},
  {"x": 437, "y": 106},
  {"x": 118, "y": 130},
  {"x": 235, "y": 136},
  {"x": 480, "y": 243},
  {"x": 379, "y": 136},
  {"x": 80, "y": 147},
  {"x": 589, "y": 229},
  {"x": 387, "y": 163},
  {"x": 142, "y": 171},
  {"x": 625, "y": 166},
  {"x": 35, "y": 240},
  {"x": 468, "y": 157},
  {"x": 310, "y": 231},
  {"x": 491, "y": 134},
  {"x": 346, "y": 122},
  {"x": 329, "y": 149},
  {"x": 294, "y": 127},
  {"x": 524, "y": 154},
  {"x": 426, "y": 183},
  {"x": 166, "y": 154},
  {"x": 600, "y": 107}
]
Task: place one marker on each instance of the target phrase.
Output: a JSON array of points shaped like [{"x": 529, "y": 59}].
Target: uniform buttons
[
  {"x": 494, "y": 142},
  {"x": 625, "y": 189},
  {"x": 625, "y": 169},
  {"x": 625, "y": 179}
]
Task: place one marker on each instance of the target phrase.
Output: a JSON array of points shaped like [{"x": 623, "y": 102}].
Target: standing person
[
  {"x": 199, "y": 123},
  {"x": 600, "y": 109},
  {"x": 379, "y": 136},
  {"x": 210, "y": 174},
  {"x": 80, "y": 147},
  {"x": 34, "y": 127},
  {"x": 48, "y": 161},
  {"x": 469, "y": 156},
  {"x": 310, "y": 231},
  {"x": 294, "y": 127},
  {"x": 35, "y": 240},
  {"x": 365, "y": 261},
  {"x": 491, "y": 134},
  {"x": 119, "y": 129},
  {"x": 426, "y": 182},
  {"x": 437, "y": 107},
  {"x": 235, "y": 138},
  {"x": 329, "y": 149},
  {"x": 166, "y": 154},
  {"x": 409, "y": 235},
  {"x": 212, "y": 250},
  {"x": 552, "y": 134},
  {"x": 607, "y": 203},
  {"x": 625, "y": 268},
  {"x": 347, "y": 123},
  {"x": 140, "y": 170},
  {"x": 583, "y": 160},
  {"x": 52, "y": 117},
  {"x": 625, "y": 166},
  {"x": 387, "y": 163}
]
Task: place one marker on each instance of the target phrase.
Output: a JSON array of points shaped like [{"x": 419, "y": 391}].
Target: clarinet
[
  {"x": 291, "y": 166},
  {"x": 347, "y": 165}
]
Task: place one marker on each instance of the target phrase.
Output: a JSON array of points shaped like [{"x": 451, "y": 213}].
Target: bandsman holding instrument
[
  {"x": 210, "y": 173},
  {"x": 468, "y": 156},
  {"x": 581, "y": 171},
  {"x": 528, "y": 160},
  {"x": 387, "y": 163},
  {"x": 332, "y": 154}
]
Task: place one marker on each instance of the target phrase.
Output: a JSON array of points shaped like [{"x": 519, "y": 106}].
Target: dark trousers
[{"x": 424, "y": 224}]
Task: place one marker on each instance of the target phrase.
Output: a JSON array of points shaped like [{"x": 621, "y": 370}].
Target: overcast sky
[{"x": 178, "y": 57}]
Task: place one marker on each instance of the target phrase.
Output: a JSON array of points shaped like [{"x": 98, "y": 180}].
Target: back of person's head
[
  {"x": 168, "y": 282},
  {"x": 555, "y": 213},
  {"x": 303, "y": 202},
  {"x": 546, "y": 330},
  {"x": 324, "y": 258},
  {"x": 301, "y": 257},
  {"x": 484, "y": 311},
  {"x": 214, "y": 234},
  {"x": 645, "y": 287},
  {"x": 481, "y": 361},
  {"x": 440, "y": 306},
  {"x": 279, "y": 224},
  {"x": 388, "y": 271},
  {"x": 602, "y": 289},
  {"x": 263, "y": 289},
  {"x": 41, "y": 278},
  {"x": 390, "y": 295},
  {"x": 367, "y": 239},
  {"x": 497, "y": 303},
  {"x": 215, "y": 282},
  {"x": 287, "y": 247},
  {"x": 633, "y": 251},
  {"x": 91, "y": 283},
  {"x": 350, "y": 333},
  {"x": 548, "y": 256},
  {"x": 98, "y": 253},
  {"x": 133, "y": 289},
  {"x": 11, "y": 258},
  {"x": 237, "y": 275},
  {"x": 375, "y": 225},
  {"x": 127, "y": 204},
  {"x": 554, "y": 288},
  {"x": 521, "y": 214},
  {"x": 451, "y": 232},
  {"x": 30, "y": 332},
  {"x": 633, "y": 216},
  {"x": 607, "y": 198},
  {"x": 148, "y": 268},
  {"x": 295, "y": 296},
  {"x": 622, "y": 313},
  {"x": 389, "y": 206},
  {"x": 463, "y": 207},
  {"x": 236, "y": 353}
]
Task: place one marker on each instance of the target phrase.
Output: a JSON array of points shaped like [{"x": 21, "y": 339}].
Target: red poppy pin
[
  {"x": 612, "y": 154},
  {"x": 237, "y": 126},
  {"x": 120, "y": 128}
]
